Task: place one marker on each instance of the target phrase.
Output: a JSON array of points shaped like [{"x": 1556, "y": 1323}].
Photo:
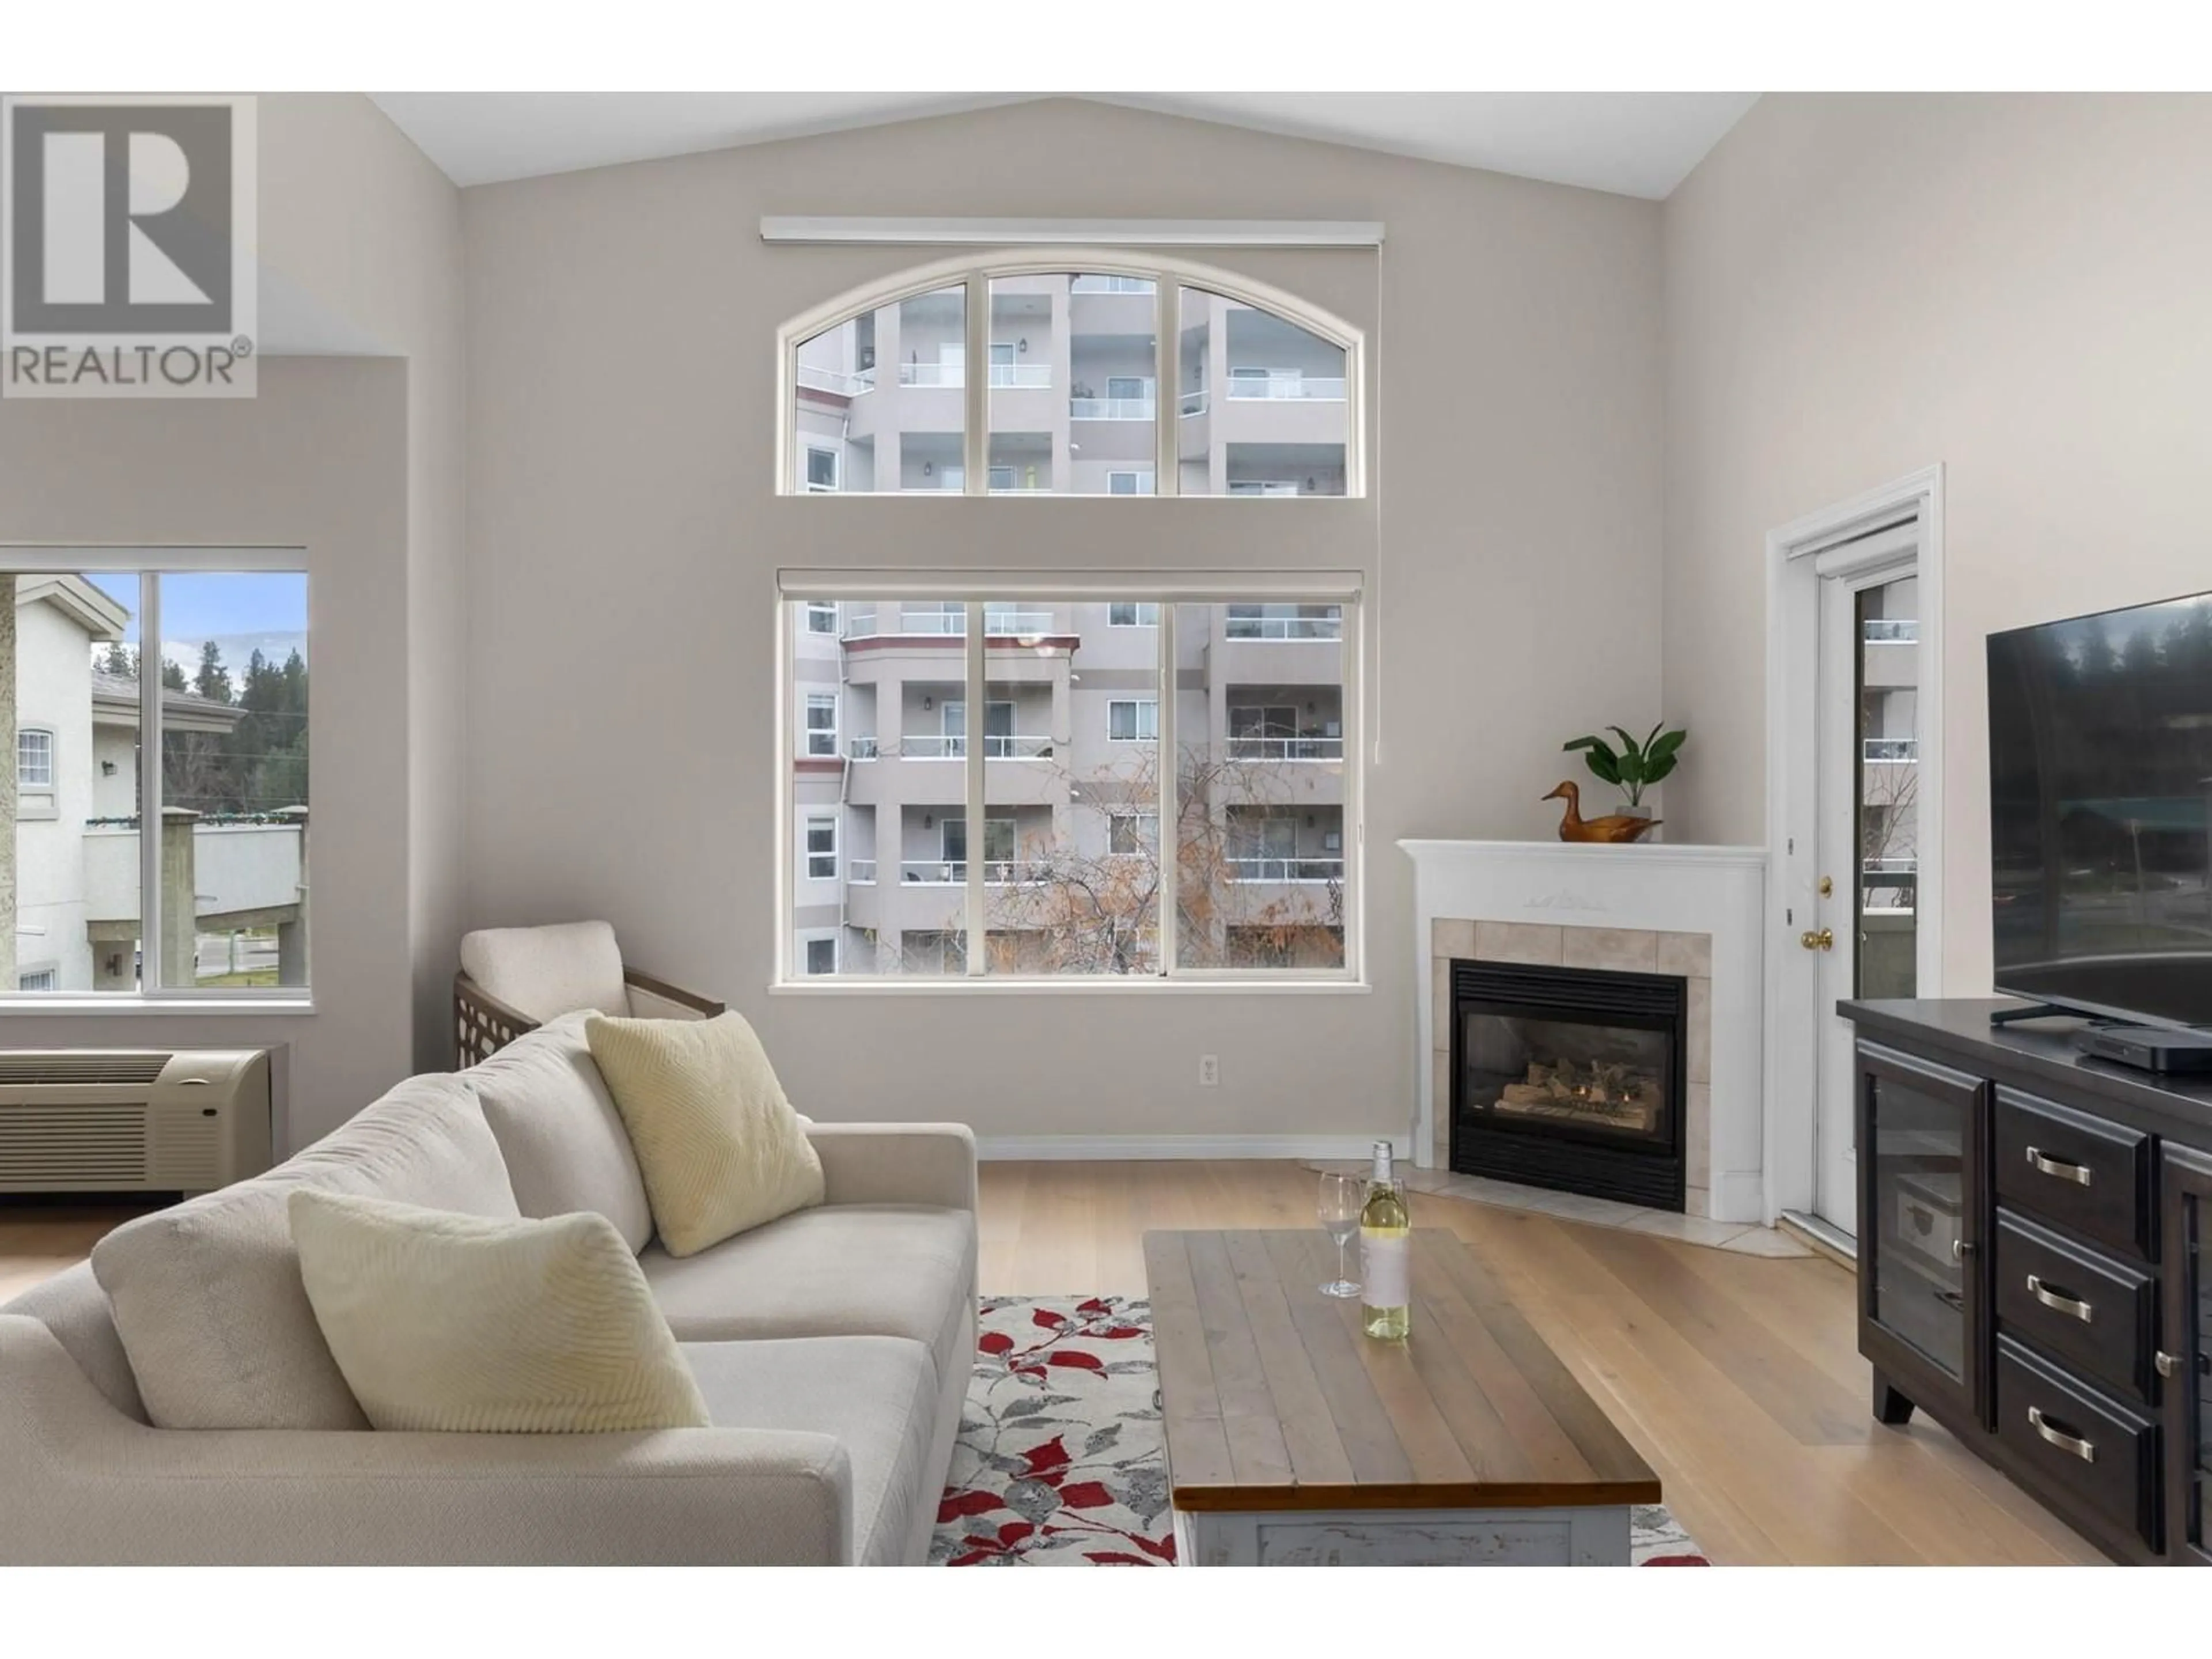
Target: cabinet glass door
[
  {"x": 2185, "y": 1353},
  {"x": 1919, "y": 1263}
]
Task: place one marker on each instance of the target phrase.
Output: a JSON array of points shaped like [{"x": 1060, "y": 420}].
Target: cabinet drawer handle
[
  {"x": 2058, "y": 1301},
  {"x": 2057, "y": 1435},
  {"x": 2167, "y": 1365},
  {"x": 2058, "y": 1166}
]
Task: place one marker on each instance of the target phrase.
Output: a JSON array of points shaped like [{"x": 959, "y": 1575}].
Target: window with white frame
[
  {"x": 1125, "y": 339},
  {"x": 217, "y": 658},
  {"x": 821, "y": 616},
  {"x": 822, "y": 955},
  {"x": 821, "y": 847},
  {"x": 821, "y": 723},
  {"x": 1105, "y": 824}
]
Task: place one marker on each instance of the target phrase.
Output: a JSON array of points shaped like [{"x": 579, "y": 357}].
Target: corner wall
[{"x": 1859, "y": 286}]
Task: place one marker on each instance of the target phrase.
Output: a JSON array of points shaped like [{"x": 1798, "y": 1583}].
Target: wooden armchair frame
[{"x": 483, "y": 1024}]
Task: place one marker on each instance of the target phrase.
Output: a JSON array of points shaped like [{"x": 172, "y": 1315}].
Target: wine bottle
[{"x": 1386, "y": 1268}]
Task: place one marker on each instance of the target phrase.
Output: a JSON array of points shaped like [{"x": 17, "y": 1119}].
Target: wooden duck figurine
[{"x": 1616, "y": 829}]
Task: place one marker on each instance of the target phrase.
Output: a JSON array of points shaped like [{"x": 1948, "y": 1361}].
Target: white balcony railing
[
  {"x": 1892, "y": 630},
  {"x": 938, "y": 374},
  {"x": 830, "y": 380},
  {"x": 997, "y": 872},
  {"x": 861, "y": 872},
  {"x": 1891, "y": 749},
  {"x": 1284, "y": 628},
  {"x": 1191, "y": 403},
  {"x": 1285, "y": 748},
  {"x": 1111, "y": 409},
  {"x": 860, "y": 749},
  {"x": 997, "y": 623},
  {"x": 1303, "y": 870},
  {"x": 1277, "y": 386},
  {"x": 997, "y": 745},
  {"x": 1097, "y": 284},
  {"x": 1021, "y": 375}
]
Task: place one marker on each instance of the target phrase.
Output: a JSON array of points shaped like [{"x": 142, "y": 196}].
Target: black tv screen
[{"x": 2101, "y": 811}]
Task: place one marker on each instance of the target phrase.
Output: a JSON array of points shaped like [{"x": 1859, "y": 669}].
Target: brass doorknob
[{"x": 1823, "y": 940}]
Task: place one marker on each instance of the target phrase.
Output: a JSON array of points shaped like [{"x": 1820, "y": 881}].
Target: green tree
[
  {"x": 213, "y": 681},
  {"x": 121, "y": 660},
  {"x": 173, "y": 678}
]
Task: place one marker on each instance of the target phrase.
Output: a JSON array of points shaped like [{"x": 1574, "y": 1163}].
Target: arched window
[{"x": 1070, "y": 371}]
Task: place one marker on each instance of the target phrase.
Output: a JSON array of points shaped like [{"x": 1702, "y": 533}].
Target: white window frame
[
  {"x": 836, "y": 484},
  {"x": 39, "y": 786},
  {"x": 806, "y": 944},
  {"x": 1342, "y": 588},
  {"x": 973, "y": 271},
  {"x": 1144, "y": 476},
  {"x": 817, "y": 701},
  {"x": 819, "y": 609},
  {"x": 24, "y": 976},
  {"x": 1144, "y": 613},
  {"x": 815, "y": 821},
  {"x": 1138, "y": 733},
  {"x": 1140, "y": 816}
]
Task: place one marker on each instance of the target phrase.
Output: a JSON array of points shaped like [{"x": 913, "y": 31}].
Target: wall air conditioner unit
[{"x": 119, "y": 1121}]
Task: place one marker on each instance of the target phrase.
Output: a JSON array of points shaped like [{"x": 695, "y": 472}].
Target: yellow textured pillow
[
  {"x": 720, "y": 1147},
  {"x": 456, "y": 1323}
]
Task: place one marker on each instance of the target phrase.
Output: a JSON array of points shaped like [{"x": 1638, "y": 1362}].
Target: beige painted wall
[
  {"x": 318, "y": 460},
  {"x": 361, "y": 251},
  {"x": 624, "y": 541},
  {"x": 1859, "y": 286}
]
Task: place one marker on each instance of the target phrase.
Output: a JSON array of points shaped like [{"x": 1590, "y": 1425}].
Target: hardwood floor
[{"x": 1737, "y": 1377}]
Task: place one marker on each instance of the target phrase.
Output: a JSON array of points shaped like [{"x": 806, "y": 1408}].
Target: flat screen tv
[{"x": 2101, "y": 811}]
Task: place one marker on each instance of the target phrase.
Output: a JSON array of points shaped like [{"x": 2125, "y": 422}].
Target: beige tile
[
  {"x": 1440, "y": 1088},
  {"x": 1440, "y": 997},
  {"x": 1697, "y": 1201},
  {"x": 1451, "y": 939},
  {"x": 1766, "y": 1241},
  {"x": 1697, "y": 1132},
  {"x": 1698, "y": 1057},
  {"x": 1690, "y": 955},
  {"x": 1533, "y": 943},
  {"x": 1623, "y": 949},
  {"x": 1689, "y": 1229},
  {"x": 1440, "y": 1148}
]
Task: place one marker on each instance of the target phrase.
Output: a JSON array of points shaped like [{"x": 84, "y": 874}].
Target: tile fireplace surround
[{"x": 1695, "y": 911}]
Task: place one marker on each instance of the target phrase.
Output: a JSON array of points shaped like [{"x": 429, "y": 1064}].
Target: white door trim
[{"x": 1798, "y": 555}]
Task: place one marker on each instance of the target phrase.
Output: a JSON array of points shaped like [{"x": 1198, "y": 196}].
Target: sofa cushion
[
  {"x": 842, "y": 1270},
  {"x": 75, "y": 1309},
  {"x": 720, "y": 1149},
  {"x": 877, "y": 1394},
  {"x": 207, "y": 1295},
  {"x": 461, "y": 1324},
  {"x": 547, "y": 972},
  {"x": 557, "y": 1127}
]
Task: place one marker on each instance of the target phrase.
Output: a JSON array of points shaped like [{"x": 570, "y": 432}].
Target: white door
[{"x": 1867, "y": 766}]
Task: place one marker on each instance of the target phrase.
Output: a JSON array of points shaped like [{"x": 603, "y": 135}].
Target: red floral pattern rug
[{"x": 1060, "y": 1460}]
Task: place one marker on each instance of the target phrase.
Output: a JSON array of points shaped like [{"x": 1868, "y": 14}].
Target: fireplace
[{"x": 1570, "y": 1077}]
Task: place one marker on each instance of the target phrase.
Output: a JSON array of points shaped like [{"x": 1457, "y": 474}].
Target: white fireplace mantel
[{"x": 1693, "y": 911}]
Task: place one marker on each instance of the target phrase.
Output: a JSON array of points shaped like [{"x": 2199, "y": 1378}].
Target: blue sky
[{"x": 238, "y": 610}]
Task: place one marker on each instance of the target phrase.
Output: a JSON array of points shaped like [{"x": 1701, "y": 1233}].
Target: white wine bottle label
[{"x": 1384, "y": 1267}]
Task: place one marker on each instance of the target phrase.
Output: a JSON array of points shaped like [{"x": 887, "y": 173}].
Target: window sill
[
  {"x": 45, "y": 1002},
  {"x": 1072, "y": 985}
]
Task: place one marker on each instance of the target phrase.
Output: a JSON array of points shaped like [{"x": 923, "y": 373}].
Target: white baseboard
[{"x": 1135, "y": 1148}]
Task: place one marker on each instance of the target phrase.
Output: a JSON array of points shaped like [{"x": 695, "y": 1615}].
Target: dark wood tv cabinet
[{"x": 2035, "y": 1265}]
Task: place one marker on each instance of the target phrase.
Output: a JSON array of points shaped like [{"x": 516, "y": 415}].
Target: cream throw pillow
[
  {"x": 445, "y": 1321},
  {"x": 720, "y": 1149}
]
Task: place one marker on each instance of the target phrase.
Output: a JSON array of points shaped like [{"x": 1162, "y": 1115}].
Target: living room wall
[
  {"x": 1860, "y": 286},
  {"x": 624, "y": 540}
]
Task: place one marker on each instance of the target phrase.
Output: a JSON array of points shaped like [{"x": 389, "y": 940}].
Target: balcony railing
[
  {"x": 830, "y": 380},
  {"x": 868, "y": 625},
  {"x": 1891, "y": 749},
  {"x": 942, "y": 374},
  {"x": 1191, "y": 403},
  {"x": 1285, "y": 748},
  {"x": 1892, "y": 630},
  {"x": 997, "y": 745},
  {"x": 1112, "y": 408},
  {"x": 1274, "y": 387},
  {"x": 997, "y": 872},
  {"x": 1282, "y": 628},
  {"x": 1286, "y": 869},
  {"x": 860, "y": 749},
  {"x": 1096, "y": 283},
  {"x": 1021, "y": 375},
  {"x": 861, "y": 872}
]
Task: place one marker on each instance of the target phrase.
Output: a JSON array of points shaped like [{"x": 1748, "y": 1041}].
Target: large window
[
  {"x": 1122, "y": 835},
  {"x": 1131, "y": 382},
  {"x": 214, "y": 901}
]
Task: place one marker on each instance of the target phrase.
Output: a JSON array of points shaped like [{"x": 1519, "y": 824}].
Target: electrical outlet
[{"x": 1209, "y": 1070}]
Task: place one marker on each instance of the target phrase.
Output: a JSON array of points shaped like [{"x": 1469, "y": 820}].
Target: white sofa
[{"x": 833, "y": 1346}]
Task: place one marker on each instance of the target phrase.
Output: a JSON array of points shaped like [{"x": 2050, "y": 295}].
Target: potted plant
[{"x": 1634, "y": 767}]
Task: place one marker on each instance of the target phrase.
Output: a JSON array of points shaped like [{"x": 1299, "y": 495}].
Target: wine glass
[{"x": 1342, "y": 1198}]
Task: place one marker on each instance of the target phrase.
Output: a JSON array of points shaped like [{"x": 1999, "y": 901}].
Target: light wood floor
[{"x": 1737, "y": 1377}]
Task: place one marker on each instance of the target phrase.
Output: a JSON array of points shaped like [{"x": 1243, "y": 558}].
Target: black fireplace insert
[{"x": 1572, "y": 1078}]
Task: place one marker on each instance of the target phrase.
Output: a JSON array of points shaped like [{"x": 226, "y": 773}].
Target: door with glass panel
[{"x": 1864, "y": 922}]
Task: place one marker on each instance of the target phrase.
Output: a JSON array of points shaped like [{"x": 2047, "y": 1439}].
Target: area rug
[{"x": 1061, "y": 1460}]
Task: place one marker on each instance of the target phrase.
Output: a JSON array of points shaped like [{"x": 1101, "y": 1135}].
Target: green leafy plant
[{"x": 1634, "y": 767}]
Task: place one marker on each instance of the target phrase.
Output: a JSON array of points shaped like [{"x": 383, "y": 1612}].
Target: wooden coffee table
[{"x": 1293, "y": 1439}]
